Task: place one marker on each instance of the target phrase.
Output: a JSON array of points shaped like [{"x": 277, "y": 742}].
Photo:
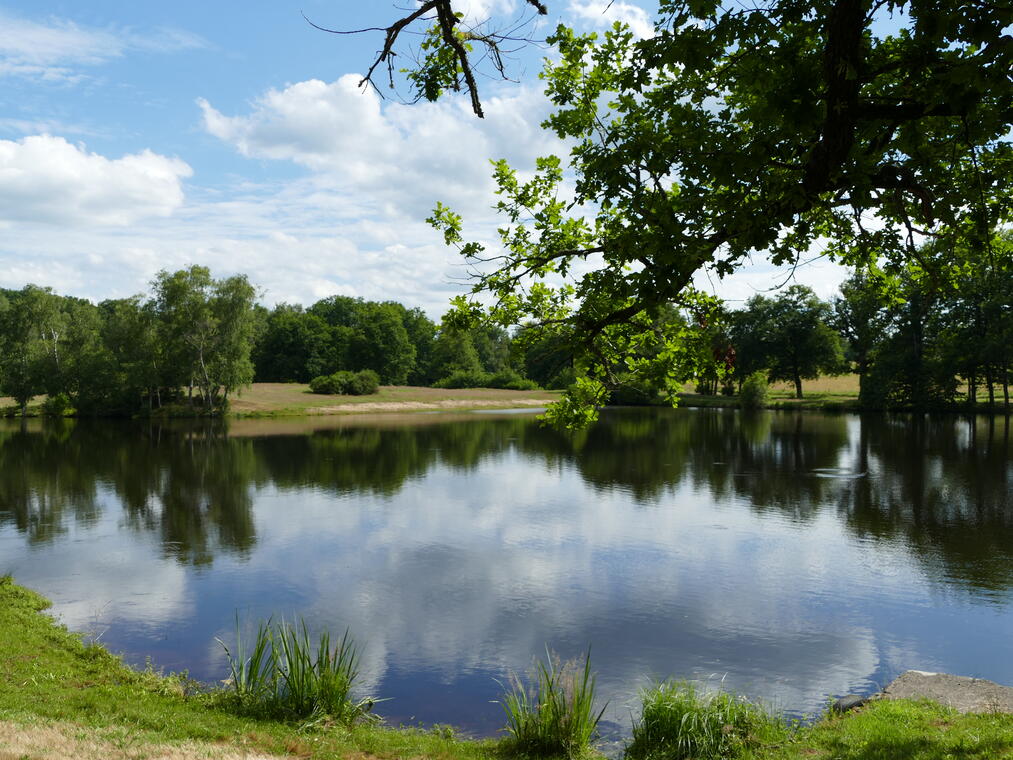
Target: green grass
[
  {"x": 899, "y": 730},
  {"x": 48, "y": 674},
  {"x": 282, "y": 675},
  {"x": 554, "y": 715},
  {"x": 50, "y": 677},
  {"x": 678, "y": 721}
]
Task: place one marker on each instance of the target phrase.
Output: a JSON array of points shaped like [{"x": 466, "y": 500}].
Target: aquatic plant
[
  {"x": 555, "y": 715},
  {"x": 678, "y": 720},
  {"x": 282, "y": 673}
]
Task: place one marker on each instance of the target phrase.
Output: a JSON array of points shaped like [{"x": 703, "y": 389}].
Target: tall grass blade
[
  {"x": 555, "y": 715},
  {"x": 678, "y": 721},
  {"x": 282, "y": 674}
]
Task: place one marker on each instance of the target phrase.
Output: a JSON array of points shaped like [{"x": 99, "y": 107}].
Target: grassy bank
[
  {"x": 61, "y": 697},
  {"x": 284, "y": 399},
  {"x": 54, "y": 686}
]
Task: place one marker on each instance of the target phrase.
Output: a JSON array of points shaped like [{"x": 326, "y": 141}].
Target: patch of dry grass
[
  {"x": 58, "y": 740},
  {"x": 295, "y": 398},
  {"x": 844, "y": 385}
]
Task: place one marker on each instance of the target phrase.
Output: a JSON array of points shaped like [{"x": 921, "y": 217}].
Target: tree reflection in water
[{"x": 938, "y": 487}]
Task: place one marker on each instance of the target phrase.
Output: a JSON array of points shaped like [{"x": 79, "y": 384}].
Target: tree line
[
  {"x": 194, "y": 341},
  {"x": 930, "y": 334},
  {"x": 188, "y": 342}
]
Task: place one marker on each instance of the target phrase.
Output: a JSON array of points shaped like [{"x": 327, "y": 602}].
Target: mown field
[{"x": 294, "y": 398}]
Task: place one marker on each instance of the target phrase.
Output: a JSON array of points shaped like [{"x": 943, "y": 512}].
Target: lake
[{"x": 789, "y": 556}]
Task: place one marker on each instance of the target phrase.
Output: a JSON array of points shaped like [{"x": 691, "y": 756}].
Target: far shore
[
  {"x": 291, "y": 399},
  {"x": 272, "y": 400}
]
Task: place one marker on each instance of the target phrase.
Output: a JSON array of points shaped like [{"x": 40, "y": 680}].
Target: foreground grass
[
  {"x": 49, "y": 678},
  {"x": 895, "y": 730},
  {"x": 61, "y": 697}
]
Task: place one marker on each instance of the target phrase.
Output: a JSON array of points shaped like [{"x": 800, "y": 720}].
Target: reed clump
[
  {"x": 555, "y": 715},
  {"x": 680, "y": 721},
  {"x": 283, "y": 673}
]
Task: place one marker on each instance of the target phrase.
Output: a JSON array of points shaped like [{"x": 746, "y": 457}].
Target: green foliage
[
  {"x": 57, "y": 405},
  {"x": 462, "y": 378},
  {"x": 344, "y": 383},
  {"x": 293, "y": 345},
  {"x": 555, "y": 715},
  {"x": 30, "y": 330},
  {"x": 738, "y": 132},
  {"x": 207, "y": 328},
  {"x": 754, "y": 391},
  {"x": 679, "y": 722},
  {"x": 790, "y": 336},
  {"x": 282, "y": 674},
  {"x": 506, "y": 379}
]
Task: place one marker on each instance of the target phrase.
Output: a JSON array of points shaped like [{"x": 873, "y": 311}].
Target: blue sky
[{"x": 136, "y": 137}]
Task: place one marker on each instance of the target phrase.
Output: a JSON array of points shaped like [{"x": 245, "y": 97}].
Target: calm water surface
[{"x": 793, "y": 556}]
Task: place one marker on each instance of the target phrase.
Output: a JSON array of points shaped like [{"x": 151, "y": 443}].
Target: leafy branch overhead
[{"x": 849, "y": 128}]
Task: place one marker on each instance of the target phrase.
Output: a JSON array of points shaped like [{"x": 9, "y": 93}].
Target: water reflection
[{"x": 800, "y": 555}]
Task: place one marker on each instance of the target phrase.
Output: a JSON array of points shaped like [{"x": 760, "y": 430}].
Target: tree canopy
[{"x": 851, "y": 127}]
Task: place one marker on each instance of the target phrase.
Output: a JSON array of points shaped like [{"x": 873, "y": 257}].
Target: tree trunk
[
  {"x": 990, "y": 382},
  {"x": 798, "y": 386},
  {"x": 972, "y": 388},
  {"x": 24, "y": 408},
  {"x": 1005, "y": 389}
]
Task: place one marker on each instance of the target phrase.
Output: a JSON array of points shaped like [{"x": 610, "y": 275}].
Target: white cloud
[
  {"x": 482, "y": 10},
  {"x": 605, "y": 13},
  {"x": 398, "y": 160},
  {"x": 56, "y": 48},
  {"x": 47, "y": 179}
]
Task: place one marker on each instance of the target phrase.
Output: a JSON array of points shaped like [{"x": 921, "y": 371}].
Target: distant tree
[
  {"x": 130, "y": 334},
  {"x": 546, "y": 356},
  {"x": 908, "y": 366},
  {"x": 861, "y": 316},
  {"x": 89, "y": 373},
  {"x": 229, "y": 367},
  {"x": 793, "y": 333},
  {"x": 381, "y": 344},
  {"x": 207, "y": 327},
  {"x": 422, "y": 335},
  {"x": 293, "y": 347},
  {"x": 30, "y": 330},
  {"x": 454, "y": 352}
]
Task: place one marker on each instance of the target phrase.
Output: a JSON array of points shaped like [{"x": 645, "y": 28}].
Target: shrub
[
  {"x": 463, "y": 378},
  {"x": 520, "y": 384},
  {"x": 677, "y": 721},
  {"x": 323, "y": 384},
  {"x": 343, "y": 381},
  {"x": 347, "y": 383},
  {"x": 57, "y": 405},
  {"x": 508, "y": 379},
  {"x": 284, "y": 675},
  {"x": 511, "y": 380},
  {"x": 364, "y": 383},
  {"x": 556, "y": 715},
  {"x": 754, "y": 391}
]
